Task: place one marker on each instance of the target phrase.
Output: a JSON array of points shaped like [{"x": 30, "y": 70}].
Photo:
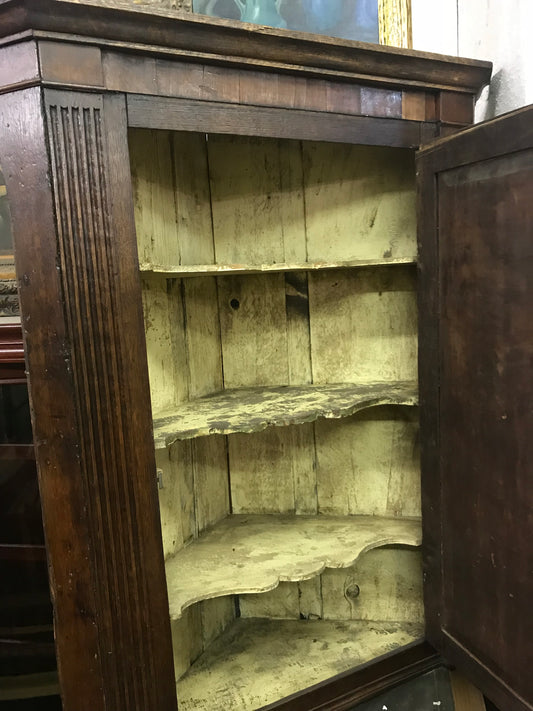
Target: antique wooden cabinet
[{"x": 215, "y": 230}]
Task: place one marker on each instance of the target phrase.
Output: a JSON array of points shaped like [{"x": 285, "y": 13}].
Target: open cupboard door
[{"x": 476, "y": 379}]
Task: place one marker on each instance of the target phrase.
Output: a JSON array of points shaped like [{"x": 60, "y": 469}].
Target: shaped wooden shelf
[
  {"x": 189, "y": 270},
  {"x": 255, "y": 409},
  {"x": 257, "y": 661},
  {"x": 254, "y": 553}
]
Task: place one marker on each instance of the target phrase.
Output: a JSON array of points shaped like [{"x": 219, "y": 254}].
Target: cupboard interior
[{"x": 279, "y": 295}]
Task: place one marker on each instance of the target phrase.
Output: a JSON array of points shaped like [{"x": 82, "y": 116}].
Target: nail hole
[{"x": 234, "y": 303}]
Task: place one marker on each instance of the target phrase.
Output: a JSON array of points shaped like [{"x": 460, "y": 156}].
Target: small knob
[{"x": 352, "y": 591}]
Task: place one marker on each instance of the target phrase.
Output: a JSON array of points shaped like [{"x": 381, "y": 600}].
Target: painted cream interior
[{"x": 280, "y": 310}]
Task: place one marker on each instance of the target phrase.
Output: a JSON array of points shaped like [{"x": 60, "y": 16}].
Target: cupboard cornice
[{"x": 176, "y": 35}]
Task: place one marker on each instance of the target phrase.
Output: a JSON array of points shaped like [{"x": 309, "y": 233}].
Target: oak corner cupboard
[{"x": 281, "y": 443}]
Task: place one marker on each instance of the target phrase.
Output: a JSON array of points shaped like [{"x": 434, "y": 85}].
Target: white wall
[
  {"x": 435, "y": 26},
  {"x": 497, "y": 30}
]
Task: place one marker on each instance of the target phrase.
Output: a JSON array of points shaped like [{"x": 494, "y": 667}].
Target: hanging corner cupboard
[{"x": 239, "y": 356}]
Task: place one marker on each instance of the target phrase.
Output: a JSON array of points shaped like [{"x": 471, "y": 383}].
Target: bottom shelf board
[
  {"x": 250, "y": 553},
  {"x": 258, "y": 661}
]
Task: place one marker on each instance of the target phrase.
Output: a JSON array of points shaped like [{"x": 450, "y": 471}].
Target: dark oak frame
[{"x": 78, "y": 75}]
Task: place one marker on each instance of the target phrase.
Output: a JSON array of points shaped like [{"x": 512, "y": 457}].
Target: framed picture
[{"x": 384, "y": 21}]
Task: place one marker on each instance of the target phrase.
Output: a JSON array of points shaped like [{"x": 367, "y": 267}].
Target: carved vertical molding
[{"x": 96, "y": 255}]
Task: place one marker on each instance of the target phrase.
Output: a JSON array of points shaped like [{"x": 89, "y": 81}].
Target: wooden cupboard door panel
[{"x": 476, "y": 237}]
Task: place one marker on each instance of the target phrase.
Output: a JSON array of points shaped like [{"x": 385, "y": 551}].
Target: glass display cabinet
[{"x": 238, "y": 357}]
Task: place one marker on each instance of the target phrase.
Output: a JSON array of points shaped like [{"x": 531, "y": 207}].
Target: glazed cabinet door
[{"x": 476, "y": 269}]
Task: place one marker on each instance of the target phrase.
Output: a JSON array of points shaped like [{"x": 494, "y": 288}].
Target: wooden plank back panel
[
  {"x": 369, "y": 463},
  {"x": 172, "y": 197},
  {"x": 370, "y": 316},
  {"x": 384, "y": 584},
  {"x": 253, "y": 201},
  {"x": 280, "y": 477},
  {"x": 359, "y": 202},
  {"x": 257, "y": 203}
]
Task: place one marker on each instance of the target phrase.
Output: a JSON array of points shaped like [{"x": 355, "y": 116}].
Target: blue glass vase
[
  {"x": 261, "y": 12},
  {"x": 324, "y": 14}
]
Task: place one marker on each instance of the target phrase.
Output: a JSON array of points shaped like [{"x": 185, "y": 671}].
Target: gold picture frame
[{"x": 395, "y": 25}]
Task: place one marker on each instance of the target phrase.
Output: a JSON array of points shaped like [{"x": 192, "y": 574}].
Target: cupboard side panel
[
  {"x": 202, "y": 336},
  {"x": 194, "y": 220}
]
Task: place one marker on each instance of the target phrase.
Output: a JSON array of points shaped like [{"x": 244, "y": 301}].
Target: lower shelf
[
  {"x": 254, "y": 553},
  {"x": 257, "y": 661}
]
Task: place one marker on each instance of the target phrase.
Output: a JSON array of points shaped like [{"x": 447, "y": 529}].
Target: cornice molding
[{"x": 224, "y": 42}]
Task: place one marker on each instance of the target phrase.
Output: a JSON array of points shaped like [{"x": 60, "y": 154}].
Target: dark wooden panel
[
  {"x": 477, "y": 425},
  {"x": 19, "y": 65},
  {"x": 506, "y": 134},
  {"x": 25, "y": 167},
  {"x": 215, "y": 117},
  {"x": 62, "y": 62},
  {"x": 431, "y": 106},
  {"x": 485, "y": 224},
  {"x": 414, "y": 105},
  {"x": 206, "y": 82},
  {"x": 84, "y": 337},
  {"x": 450, "y": 129},
  {"x": 107, "y": 353},
  {"x": 455, "y": 107}
]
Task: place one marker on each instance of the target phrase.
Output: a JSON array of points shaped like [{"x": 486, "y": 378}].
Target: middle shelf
[
  {"x": 254, "y": 553},
  {"x": 255, "y": 409}
]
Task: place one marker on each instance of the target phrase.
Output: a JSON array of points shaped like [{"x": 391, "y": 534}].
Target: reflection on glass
[
  {"x": 348, "y": 19},
  {"x": 8, "y": 286}
]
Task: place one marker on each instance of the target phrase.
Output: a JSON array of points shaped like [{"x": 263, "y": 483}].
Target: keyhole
[{"x": 234, "y": 303}]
